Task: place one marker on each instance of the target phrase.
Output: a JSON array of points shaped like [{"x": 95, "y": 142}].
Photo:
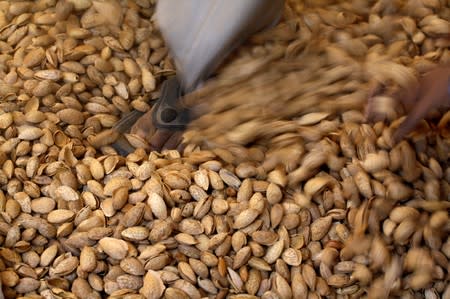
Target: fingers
[
  {"x": 427, "y": 102},
  {"x": 158, "y": 139},
  {"x": 419, "y": 100},
  {"x": 166, "y": 140},
  {"x": 173, "y": 141},
  {"x": 181, "y": 147},
  {"x": 409, "y": 97},
  {"x": 144, "y": 126},
  {"x": 371, "y": 113}
]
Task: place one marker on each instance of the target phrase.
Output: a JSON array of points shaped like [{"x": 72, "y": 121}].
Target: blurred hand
[
  {"x": 432, "y": 93},
  {"x": 159, "y": 139}
]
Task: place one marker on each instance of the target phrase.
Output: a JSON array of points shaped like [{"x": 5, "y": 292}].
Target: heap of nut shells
[
  {"x": 323, "y": 61},
  {"x": 320, "y": 206}
]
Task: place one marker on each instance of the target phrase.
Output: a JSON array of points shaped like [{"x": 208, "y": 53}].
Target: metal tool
[{"x": 168, "y": 113}]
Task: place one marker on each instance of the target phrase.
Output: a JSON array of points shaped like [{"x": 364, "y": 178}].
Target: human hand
[
  {"x": 433, "y": 92},
  {"x": 159, "y": 139}
]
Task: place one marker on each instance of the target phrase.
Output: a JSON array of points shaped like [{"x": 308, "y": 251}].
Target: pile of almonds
[
  {"x": 320, "y": 206},
  {"x": 325, "y": 61}
]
